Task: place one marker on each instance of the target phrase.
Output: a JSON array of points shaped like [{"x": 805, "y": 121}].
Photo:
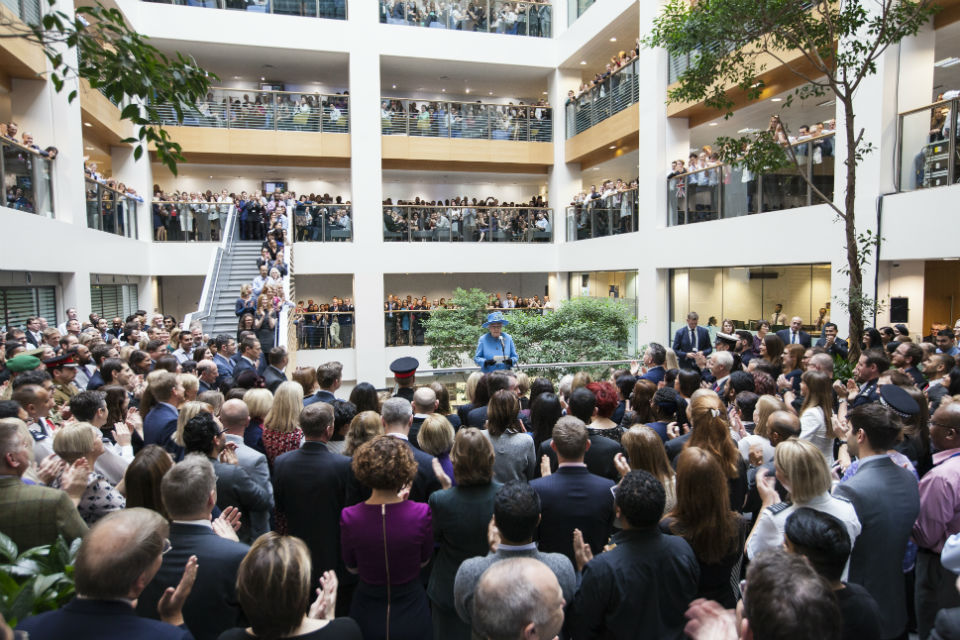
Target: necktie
[
  {"x": 794, "y": 340},
  {"x": 693, "y": 339}
]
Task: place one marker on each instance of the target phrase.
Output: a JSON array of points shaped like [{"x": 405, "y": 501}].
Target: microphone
[{"x": 503, "y": 347}]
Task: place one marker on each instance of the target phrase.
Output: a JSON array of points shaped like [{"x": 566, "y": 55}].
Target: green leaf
[{"x": 8, "y": 548}]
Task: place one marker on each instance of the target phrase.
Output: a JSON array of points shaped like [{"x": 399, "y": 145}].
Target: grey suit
[
  {"x": 887, "y": 501},
  {"x": 470, "y": 571},
  {"x": 255, "y": 464},
  {"x": 235, "y": 488}
]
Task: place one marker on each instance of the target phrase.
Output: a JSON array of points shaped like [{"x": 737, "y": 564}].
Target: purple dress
[{"x": 387, "y": 544}]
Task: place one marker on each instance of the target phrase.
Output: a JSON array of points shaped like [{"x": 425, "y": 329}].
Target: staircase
[{"x": 237, "y": 267}]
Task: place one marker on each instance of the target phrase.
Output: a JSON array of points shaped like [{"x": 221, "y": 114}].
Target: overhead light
[
  {"x": 419, "y": 88},
  {"x": 776, "y": 99},
  {"x": 262, "y": 79},
  {"x": 491, "y": 93},
  {"x": 613, "y": 146},
  {"x": 827, "y": 103},
  {"x": 583, "y": 62},
  {"x": 87, "y": 124},
  {"x": 443, "y": 90},
  {"x": 89, "y": 148},
  {"x": 713, "y": 124},
  {"x": 613, "y": 39},
  {"x": 544, "y": 93},
  {"x": 468, "y": 90},
  {"x": 394, "y": 86},
  {"x": 756, "y": 84},
  {"x": 747, "y": 130},
  {"x": 947, "y": 62},
  {"x": 237, "y": 77},
  {"x": 595, "y": 169}
]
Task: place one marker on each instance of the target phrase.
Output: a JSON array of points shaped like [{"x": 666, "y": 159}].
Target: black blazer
[
  {"x": 114, "y": 620},
  {"x": 477, "y": 417},
  {"x": 573, "y": 498},
  {"x": 272, "y": 378},
  {"x": 839, "y": 347},
  {"x": 784, "y": 334},
  {"x": 877, "y": 557},
  {"x": 310, "y": 488},
  {"x": 599, "y": 457},
  {"x": 682, "y": 345},
  {"x": 212, "y": 605}
]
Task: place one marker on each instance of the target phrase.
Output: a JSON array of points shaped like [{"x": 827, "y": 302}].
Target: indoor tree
[{"x": 730, "y": 44}]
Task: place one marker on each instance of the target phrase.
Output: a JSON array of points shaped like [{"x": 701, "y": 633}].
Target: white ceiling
[
  {"x": 598, "y": 51},
  {"x": 624, "y": 167},
  {"x": 426, "y": 78}
]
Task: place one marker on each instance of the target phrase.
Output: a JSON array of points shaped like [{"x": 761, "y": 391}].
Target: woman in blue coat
[{"x": 495, "y": 350}]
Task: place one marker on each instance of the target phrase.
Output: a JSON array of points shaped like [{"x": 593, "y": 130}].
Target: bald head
[
  {"x": 424, "y": 400},
  {"x": 782, "y": 425},
  {"x": 120, "y": 554},
  {"x": 821, "y": 362},
  {"x": 517, "y": 598},
  {"x": 945, "y": 426},
  {"x": 235, "y": 416}
]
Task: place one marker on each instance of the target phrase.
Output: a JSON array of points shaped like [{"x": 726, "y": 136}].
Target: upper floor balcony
[
  {"x": 470, "y": 223},
  {"x": 111, "y": 210},
  {"x": 524, "y": 18},
  {"x": 469, "y": 120},
  {"x": 27, "y": 178},
  {"x": 598, "y": 103},
  {"x": 928, "y": 151},
  {"x": 331, "y": 9},
  {"x": 604, "y": 215}
]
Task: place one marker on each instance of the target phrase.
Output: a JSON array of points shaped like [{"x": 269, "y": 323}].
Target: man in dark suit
[
  {"x": 310, "y": 488},
  {"x": 795, "y": 334},
  {"x": 877, "y": 559},
  {"x": 249, "y": 359},
  {"x": 397, "y": 416},
  {"x": 690, "y": 340},
  {"x": 189, "y": 492},
  {"x": 572, "y": 497},
  {"x": 835, "y": 346},
  {"x": 235, "y": 487},
  {"x": 117, "y": 559},
  {"x": 207, "y": 374},
  {"x": 645, "y": 582},
  {"x": 273, "y": 375},
  {"x": 424, "y": 403},
  {"x": 160, "y": 424},
  {"x": 906, "y": 357},
  {"x": 601, "y": 450},
  {"x": 862, "y": 388},
  {"x": 496, "y": 381},
  {"x": 34, "y": 332},
  {"x": 329, "y": 375},
  {"x": 653, "y": 359},
  {"x": 226, "y": 349}
]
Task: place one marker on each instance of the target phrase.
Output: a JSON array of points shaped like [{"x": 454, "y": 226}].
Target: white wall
[
  {"x": 436, "y": 286},
  {"x": 904, "y": 279},
  {"x": 321, "y": 288},
  {"x": 237, "y": 178},
  {"x": 179, "y": 295}
]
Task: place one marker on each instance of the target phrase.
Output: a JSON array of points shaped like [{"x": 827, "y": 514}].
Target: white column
[
  {"x": 76, "y": 293},
  {"x": 564, "y": 178},
  {"x": 917, "y": 55},
  {"x": 139, "y": 175}
]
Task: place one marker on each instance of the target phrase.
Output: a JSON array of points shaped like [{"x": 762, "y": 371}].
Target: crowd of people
[
  {"x": 110, "y": 205},
  {"x": 283, "y": 111},
  {"x": 610, "y": 211},
  {"x": 618, "y": 61},
  {"x": 467, "y": 120},
  {"x": 326, "y": 325},
  {"x": 463, "y": 220},
  {"x": 262, "y": 300},
  {"x": 718, "y": 489},
  {"x": 20, "y": 168},
  {"x": 529, "y": 17}
]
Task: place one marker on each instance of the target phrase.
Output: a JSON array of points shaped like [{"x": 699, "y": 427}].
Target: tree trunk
[{"x": 855, "y": 284}]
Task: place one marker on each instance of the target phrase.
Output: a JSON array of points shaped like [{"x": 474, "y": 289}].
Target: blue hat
[{"x": 496, "y": 317}]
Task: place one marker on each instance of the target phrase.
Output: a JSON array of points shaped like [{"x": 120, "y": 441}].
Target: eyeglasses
[{"x": 166, "y": 547}]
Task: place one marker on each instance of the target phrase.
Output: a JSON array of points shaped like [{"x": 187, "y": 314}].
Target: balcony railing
[
  {"x": 614, "y": 94},
  {"x": 928, "y": 151},
  {"x": 472, "y": 120},
  {"x": 492, "y": 16},
  {"x": 110, "y": 210},
  {"x": 27, "y": 179},
  {"x": 27, "y": 10},
  {"x": 405, "y": 327},
  {"x": 323, "y": 329},
  {"x": 179, "y": 221},
  {"x": 603, "y": 217},
  {"x": 322, "y": 222},
  {"x": 332, "y": 9},
  {"x": 730, "y": 191},
  {"x": 265, "y": 110},
  {"x": 417, "y": 223}
]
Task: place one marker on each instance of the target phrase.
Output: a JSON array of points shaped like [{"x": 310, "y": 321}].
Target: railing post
[
  {"x": 758, "y": 198},
  {"x": 809, "y": 173},
  {"x": 952, "y": 144}
]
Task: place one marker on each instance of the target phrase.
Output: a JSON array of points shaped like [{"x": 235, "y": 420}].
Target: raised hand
[
  {"x": 49, "y": 468},
  {"x": 324, "y": 607},
  {"x": 545, "y": 466},
  {"x": 581, "y": 550},
  {"x": 171, "y": 602},
  {"x": 442, "y": 476},
  {"x": 121, "y": 433}
]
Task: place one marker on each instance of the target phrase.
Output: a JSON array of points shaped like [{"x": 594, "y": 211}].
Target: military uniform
[{"x": 62, "y": 393}]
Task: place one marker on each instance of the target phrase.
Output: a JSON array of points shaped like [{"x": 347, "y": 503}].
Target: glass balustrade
[
  {"x": 928, "y": 151},
  {"x": 472, "y": 120},
  {"x": 332, "y": 9},
  {"x": 27, "y": 178},
  {"x": 264, "y": 110},
  {"x": 322, "y": 222},
  {"x": 416, "y": 223},
  {"x": 614, "y": 94},
  {"x": 533, "y": 18},
  {"x": 323, "y": 329},
  {"x": 185, "y": 221},
  {"x": 602, "y": 217},
  {"x": 110, "y": 210},
  {"x": 729, "y": 191}
]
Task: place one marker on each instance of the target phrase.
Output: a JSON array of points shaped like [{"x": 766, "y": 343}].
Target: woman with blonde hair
[
  {"x": 364, "y": 427},
  {"x": 645, "y": 451},
  {"x": 281, "y": 426},
  {"x": 191, "y": 386},
  {"x": 259, "y": 402},
  {"x": 436, "y": 438},
  {"x": 711, "y": 432},
  {"x": 671, "y": 361},
  {"x": 246, "y": 302},
  {"x": 801, "y": 469},
  {"x": 187, "y": 411},
  {"x": 83, "y": 440}
]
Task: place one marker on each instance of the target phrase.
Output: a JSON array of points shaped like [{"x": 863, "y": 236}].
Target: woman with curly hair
[{"x": 387, "y": 539}]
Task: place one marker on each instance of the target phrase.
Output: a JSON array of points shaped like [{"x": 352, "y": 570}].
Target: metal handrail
[
  {"x": 212, "y": 280},
  {"x": 614, "y": 94},
  {"x": 269, "y": 6},
  {"x": 326, "y": 234},
  {"x": 546, "y": 365},
  {"x": 128, "y": 226},
  {"x": 594, "y": 219},
  {"x": 466, "y": 229},
  {"x": 937, "y": 154},
  {"x": 481, "y": 122},
  {"x": 19, "y": 160},
  {"x": 455, "y": 15}
]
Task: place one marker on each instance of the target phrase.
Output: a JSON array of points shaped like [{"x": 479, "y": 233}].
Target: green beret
[{"x": 23, "y": 363}]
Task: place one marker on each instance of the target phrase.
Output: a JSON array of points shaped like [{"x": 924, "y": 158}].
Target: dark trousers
[{"x": 935, "y": 589}]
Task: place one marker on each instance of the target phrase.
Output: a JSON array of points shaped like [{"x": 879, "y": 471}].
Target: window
[
  {"x": 19, "y": 303},
  {"x": 108, "y": 300}
]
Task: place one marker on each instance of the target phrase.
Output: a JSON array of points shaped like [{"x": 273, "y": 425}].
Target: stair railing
[
  {"x": 212, "y": 280},
  {"x": 286, "y": 330}
]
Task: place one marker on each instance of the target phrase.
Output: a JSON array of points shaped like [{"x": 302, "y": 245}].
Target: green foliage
[
  {"x": 120, "y": 62},
  {"x": 842, "y": 368},
  {"x": 37, "y": 580},
  {"x": 453, "y": 333}
]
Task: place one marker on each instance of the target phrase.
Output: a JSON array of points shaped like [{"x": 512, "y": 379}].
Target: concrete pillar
[
  {"x": 76, "y": 293},
  {"x": 564, "y": 179},
  {"x": 917, "y": 55},
  {"x": 139, "y": 175}
]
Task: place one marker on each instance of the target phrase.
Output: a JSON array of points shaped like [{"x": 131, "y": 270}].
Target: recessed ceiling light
[
  {"x": 443, "y": 90},
  {"x": 87, "y": 124},
  {"x": 613, "y": 146},
  {"x": 262, "y": 79},
  {"x": 596, "y": 169},
  {"x": 583, "y": 62},
  {"x": 713, "y": 124},
  {"x": 237, "y": 77},
  {"x": 947, "y": 62},
  {"x": 419, "y": 88},
  {"x": 544, "y": 93},
  {"x": 90, "y": 148},
  {"x": 468, "y": 90},
  {"x": 776, "y": 99},
  {"x": 747, "y": 130},
  {"x": 613, "y": 39},
  {"x": 491, "y": 93},
  {"x": 394, "y": 86}
]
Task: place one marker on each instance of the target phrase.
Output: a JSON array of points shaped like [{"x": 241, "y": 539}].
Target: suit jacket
[
  {"x": 675, "y": 446},
  {"x": 682, "y": 345},
  {"x": 320, "y": 396},
  {"x": 82, "y": 619},
  {"x": 877, "y": 557},
  {"x": 477, "y": 417},
  {"x": 243, "y": 365},
  {"x": 33, "y": 515},
  {"x": 225, "y": 367},
  {"x": 655, "y": 374},
  {"x": 273, "y": 377},
  {"x": 599, "y": 457},
  {"x": 212, "y": 606},
  {"x": 644, "y": 583},
  {"x": 415, "y": 429},
  {"x": 310, "y": 489},
  {"x": 95, "y": 382},
  {"x": 255, "y": 464},
  {"x": 784, "y": 334},
  {"x": 573, "y": 498},
  {"x": 159, "y": 425},
  {"x": 839, "y": 347},
  {"x": 917, "y": 376},
  {"x": 203, "y": 386},
  {"x": 32, "y": 339}
]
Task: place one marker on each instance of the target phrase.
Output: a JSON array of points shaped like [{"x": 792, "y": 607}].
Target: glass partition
[
  {"x": 928, "y": 152},
  {"x": 417, "y": 223},
  {"x": 110, "y": 210},
  {"x": 729, "y": 191},
  {"x": 332, "y": 9},
  {"x": 602, "y": 217},
  {"x": 614, "y": 94},
  {"x": 575, "y": 9},
  {"x": 322, "y": 222},
  {"x": 524, "y": 18},
  {"x": 27, "y": 10},
  {"x": 27, "y": 179},
  {"x": 476, "y": 120},
  {"x": 189, "y": 221},
  {"x": 265, "y": 110},
  {"x": 324, "y": 329}
]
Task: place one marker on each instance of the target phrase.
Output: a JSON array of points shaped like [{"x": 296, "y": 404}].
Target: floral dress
[
  {"x": 276, "y": 444},
  {"x": 99, "y": 498}
]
